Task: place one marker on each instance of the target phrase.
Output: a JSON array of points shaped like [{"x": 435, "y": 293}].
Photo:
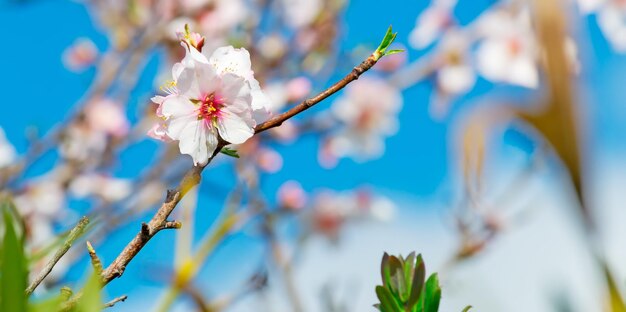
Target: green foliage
[
  {"x": 230, "y": 152},
  {"x": 381, "y": 51},
  {"x": 90, "y": 300},
  {"x": 404, "y": 286},
  {"x": 13, "y": 266}
]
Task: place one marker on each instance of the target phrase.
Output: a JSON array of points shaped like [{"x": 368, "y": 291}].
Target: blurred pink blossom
[
  {"x": 107, "y": 116},
  {"x": 368, "y": 112},
  {"x": 80, "y": 55},
  {"x": 291, "y": 195},
  {"x": 509, "y": 52},
  {"x": 431, "y": 23},
  {"x": 269, "y": 160}
]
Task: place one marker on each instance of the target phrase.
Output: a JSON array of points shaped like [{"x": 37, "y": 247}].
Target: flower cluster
[{"x": 209, "y": 98}]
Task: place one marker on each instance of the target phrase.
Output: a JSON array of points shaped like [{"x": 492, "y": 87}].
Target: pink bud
[
  {"x": 286, "y": 133},
  {"x": 291, "y": 195},
  {"x": 298, "y": 88},
  {"x": 80, "y": 55},
  {"x": 269, "y": 160}
]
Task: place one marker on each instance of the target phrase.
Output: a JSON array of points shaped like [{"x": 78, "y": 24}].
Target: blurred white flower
[
  {"x": 108, "y": 188},
  {"x": 223, "y": 16},
  {"x": 81, "y": 142},
  {"x": 7, "y": 151},
  {"x": 612, "y": 22},
  {"x": 44, "y": 197},
  {"x": 300, "y": 13},
  {"x": 290, "y": 195},
  {"x": 368, "y": 112},
  {"x": 455, "y": 74},
  {"x": 431, "y": 23},
  {"x": 108, "y": 116},
  {"x": 589, "y": 6},
  {"x": 269, "y": 160},
  {"x": 332, "y": 209},
  {"x": 208, "y": 98},
  {"x": 80, "y": 55},
  {"x": 508, "y": 51}
]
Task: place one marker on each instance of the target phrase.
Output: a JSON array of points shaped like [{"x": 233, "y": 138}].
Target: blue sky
[{"x": 39, "y": 91}]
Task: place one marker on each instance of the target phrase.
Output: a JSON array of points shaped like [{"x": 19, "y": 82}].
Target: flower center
[{"x": 210, "y": 107}]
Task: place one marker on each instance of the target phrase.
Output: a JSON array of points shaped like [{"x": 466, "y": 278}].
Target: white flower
[
  {"x": 368, "y": 109},
  {"x": 45, "y": 197},
  {"x": 455, "y": 75},
  {"x": 7, "y": 151},
  {"x": 612, "y": 22},
  {"x": 300, "y": 13},
  {"x": 431, "y": 23},
  {"x": 590, "y": 6},
  {"x": 508, "y": 53},
  {"x": 237, "y": 61},
  {"x": 109, "y": 188},
  {"x": 107, "y": 116},
  {"x": 208, "y": 98}
]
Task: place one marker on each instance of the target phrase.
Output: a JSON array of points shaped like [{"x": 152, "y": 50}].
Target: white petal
[
  {"x": 231, "y": 60},
  {"x": 456, "y": 79},
  {"x": 176, "y": 125},
  {"x": 259, "y": 99},
  {"x": 236, "y": 93},
  {"x": 177, "y": 106},
  {"x": 523, "y": 71},
  {"x": 234, "y": 128},
  {"x": 193, "y": 142}
]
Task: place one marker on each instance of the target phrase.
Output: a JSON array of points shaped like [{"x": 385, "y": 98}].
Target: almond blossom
[
  {"x": 7, "y": 151},
  {"x": 368, "y": 111},
  {"x": 612, "y": 22},
  {"x": 431, "y": 23},
  {"x": 80, "y": 55},
  {"x": 509, "y": 52},
  {"x": 209, "y": 98}
]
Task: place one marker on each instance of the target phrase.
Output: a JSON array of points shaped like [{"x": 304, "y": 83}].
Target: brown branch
[
  {"x": 74, "y": 234},
  {"x": 308, "y": 103},
  {"x": 114, "y": 301},
  {"x": 192, "y": 178}
]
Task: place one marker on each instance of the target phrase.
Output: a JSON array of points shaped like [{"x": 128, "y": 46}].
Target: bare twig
[
  {"x": 95, "y": 261},
  {"x": 192, "y": 178},
  {"x": 75, "y": 233},
  {"x": 114, "y": 301}
]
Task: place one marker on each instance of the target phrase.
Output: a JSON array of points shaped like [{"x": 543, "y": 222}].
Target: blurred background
[{"x": 493, "y": 145}]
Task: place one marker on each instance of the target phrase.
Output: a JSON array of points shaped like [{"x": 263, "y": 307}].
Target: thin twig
[
  {"x": 95, "y": 261},
  {"x": 114, "y": 301},
  {"x": 193, "y": 176},
  {"x": 75, "y": 233}
]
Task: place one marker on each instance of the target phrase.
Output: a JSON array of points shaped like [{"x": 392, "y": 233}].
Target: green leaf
[
  {"x": 230, "y": 152},
  {"x": 467, "y": 308},
  {"x": 387, "y": 302},
  {"x": 13, "y": 268},
  {"x": 384, "y": 270},
  {"x": 390, "y": 52},
  {"x": 418, "y": 281},
  {"x": 398, "y": 284},
  {"x": 432, "y": 295},
  {"x": 409, "y": 263},
  {"x": 90, "y": 300},
  {"x": 387, "y": 40},
  {"x": 49, "y": 304}
]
